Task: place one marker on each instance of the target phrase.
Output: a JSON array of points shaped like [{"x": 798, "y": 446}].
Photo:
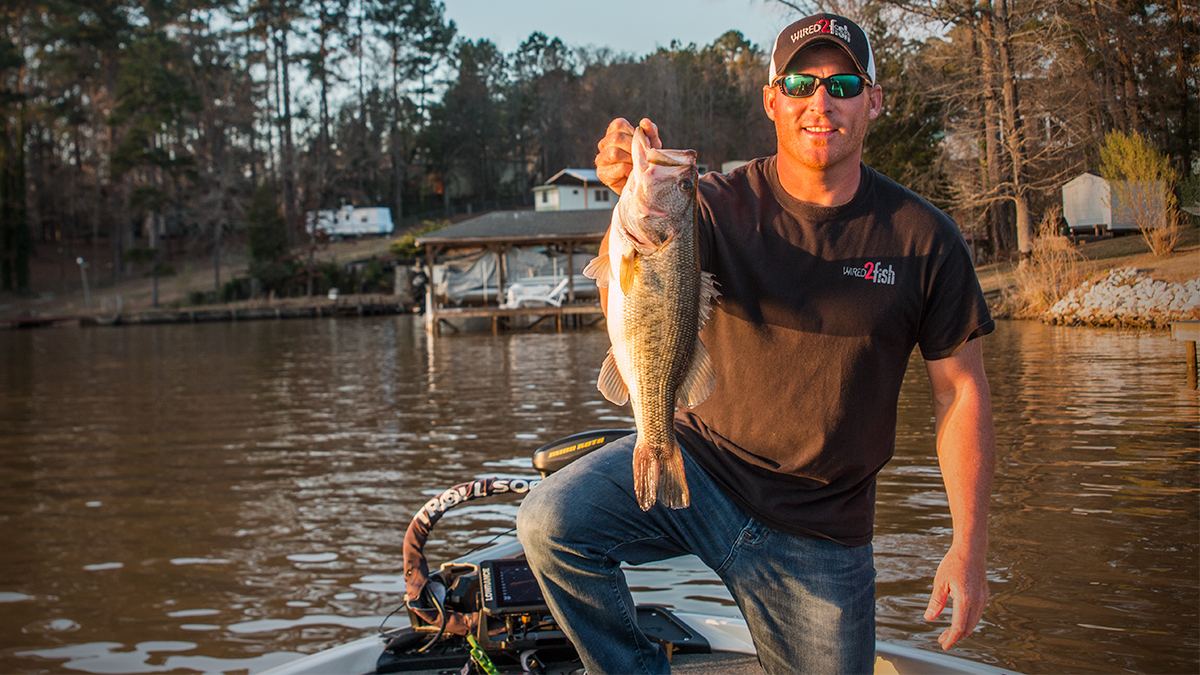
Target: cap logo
[{"x": 829, "y": 26}]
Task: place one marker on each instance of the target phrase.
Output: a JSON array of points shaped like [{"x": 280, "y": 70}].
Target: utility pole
[{"x": 87, "y": 294}]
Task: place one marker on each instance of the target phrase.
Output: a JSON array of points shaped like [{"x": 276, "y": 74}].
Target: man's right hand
[{"x": 614, "y": 160}]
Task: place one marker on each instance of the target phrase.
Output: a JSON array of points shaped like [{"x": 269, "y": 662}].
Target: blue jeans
[{"x": 810, "y": 603}]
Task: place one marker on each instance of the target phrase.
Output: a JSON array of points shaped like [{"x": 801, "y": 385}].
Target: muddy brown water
[{"x": 225, "y": 497}]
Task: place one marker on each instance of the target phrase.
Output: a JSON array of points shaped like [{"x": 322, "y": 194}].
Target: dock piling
[{"x": 1188, "y": 332}]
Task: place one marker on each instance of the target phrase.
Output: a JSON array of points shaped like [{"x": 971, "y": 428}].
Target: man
[{"x": 830, "y": 274}]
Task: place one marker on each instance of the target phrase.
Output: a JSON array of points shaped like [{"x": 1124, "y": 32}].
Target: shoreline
[
  {"x": 134, "y": 296},
  {"x": 317, "y": 307}
]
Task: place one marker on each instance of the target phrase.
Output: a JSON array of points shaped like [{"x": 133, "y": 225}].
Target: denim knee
[{"x": 538, "y": 519}]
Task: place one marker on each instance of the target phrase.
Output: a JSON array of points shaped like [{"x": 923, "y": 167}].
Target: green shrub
[
  {"x": 1144, "y": 179},
  {"x": 1189, "y": 190},
  {"x": 236, "y": 289},
  {"x": 282, "y": 276},
  {"x": 405, "y": 248}
]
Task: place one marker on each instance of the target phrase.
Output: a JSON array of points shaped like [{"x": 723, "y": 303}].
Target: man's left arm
[{"x": 966, "y": 448}]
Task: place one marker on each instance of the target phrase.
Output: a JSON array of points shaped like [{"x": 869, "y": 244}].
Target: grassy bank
[{"x": 1061, "y": 266}]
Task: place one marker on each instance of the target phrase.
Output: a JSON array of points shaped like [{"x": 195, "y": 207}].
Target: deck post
[
  {"x": 501, "y": 273},
  {"x": 1191, "y": 363},
  {"x": 570, "y": 271},
  {"x": 431, "y": 319}
]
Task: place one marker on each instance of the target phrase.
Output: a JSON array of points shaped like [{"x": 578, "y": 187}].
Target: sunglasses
[{"x": 799, "y": 85}]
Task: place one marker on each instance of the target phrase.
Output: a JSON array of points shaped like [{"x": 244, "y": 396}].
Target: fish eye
[{"x": 687, "y": 184}]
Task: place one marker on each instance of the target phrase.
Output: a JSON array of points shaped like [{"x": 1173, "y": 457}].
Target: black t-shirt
[{"x": 820, "y": 309}]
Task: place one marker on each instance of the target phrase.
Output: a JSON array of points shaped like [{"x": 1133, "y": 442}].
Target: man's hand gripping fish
[{"x": 658, "y": 300}]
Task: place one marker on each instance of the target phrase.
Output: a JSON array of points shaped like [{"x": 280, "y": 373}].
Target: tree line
[{"x": 133, "y": 127}]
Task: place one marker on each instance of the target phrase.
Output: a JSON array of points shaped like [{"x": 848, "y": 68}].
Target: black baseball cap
[{"x": 830, "y": 28}]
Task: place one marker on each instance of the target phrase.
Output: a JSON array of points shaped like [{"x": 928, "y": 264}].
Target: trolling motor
[
  {"x": 492, "y": 609},
  {"x": 490, "y": 616}
]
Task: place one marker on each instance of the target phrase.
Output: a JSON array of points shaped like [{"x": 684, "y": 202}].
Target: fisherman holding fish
[{"x": 828, "y": 274}]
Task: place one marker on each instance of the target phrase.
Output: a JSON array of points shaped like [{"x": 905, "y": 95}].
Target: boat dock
[
  {"x": 518, "y": 269},
  {"x": 568, "y": 315}
]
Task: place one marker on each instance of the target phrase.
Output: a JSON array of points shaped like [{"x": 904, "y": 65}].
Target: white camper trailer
[
  {"x": 1089, "y": 205},
  {"x": 350, "y": 222}
]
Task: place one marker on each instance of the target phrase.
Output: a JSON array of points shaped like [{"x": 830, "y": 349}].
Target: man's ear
[
  {"x": 876, "y": 94},
  {"x": 769, "y": 94}
]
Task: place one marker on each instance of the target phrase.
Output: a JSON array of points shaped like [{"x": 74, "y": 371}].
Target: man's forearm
[{"x": 966, "y": 446}]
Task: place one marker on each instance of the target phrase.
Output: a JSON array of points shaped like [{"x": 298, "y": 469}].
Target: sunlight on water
[{"x": 223, "y": 497}]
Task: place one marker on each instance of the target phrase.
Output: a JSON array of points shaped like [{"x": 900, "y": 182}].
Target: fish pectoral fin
[
  {"x": 708, "y": 294},
  {"x": 700, "y": 380},
  {"x": 599, "y": 269},
  {"x": 610, "y": 383},
  {"x": 628, "y": 270}
]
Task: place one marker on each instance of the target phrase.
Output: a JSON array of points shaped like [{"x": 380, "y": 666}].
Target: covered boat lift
[{"x": 505, "y": 240}]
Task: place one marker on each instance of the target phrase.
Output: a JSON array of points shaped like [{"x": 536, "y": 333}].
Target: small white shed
[
  {"x": 1086, "y": 203},
  {"x": 1089, "y": 204},
  {"x": 574, "y": 190}
]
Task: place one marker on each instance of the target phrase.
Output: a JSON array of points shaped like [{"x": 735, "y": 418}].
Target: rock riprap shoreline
[{"x": 1128, "y": 298}]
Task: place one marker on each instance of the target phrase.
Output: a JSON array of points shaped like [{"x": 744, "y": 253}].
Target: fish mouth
[
  {"x": 651, "y": 163},
  {"x": 671, "y": 158}
]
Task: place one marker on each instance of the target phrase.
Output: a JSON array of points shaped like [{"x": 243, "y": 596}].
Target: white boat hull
[{"x": 727, "y": 636}]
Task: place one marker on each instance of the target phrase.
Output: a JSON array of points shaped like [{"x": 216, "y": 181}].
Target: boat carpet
[{"x": 722, "y": 663}]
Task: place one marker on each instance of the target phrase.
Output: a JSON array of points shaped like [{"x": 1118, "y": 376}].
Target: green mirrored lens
[
  {"x": 844, "y": 86},
  {"x": 800, "y": 85}
]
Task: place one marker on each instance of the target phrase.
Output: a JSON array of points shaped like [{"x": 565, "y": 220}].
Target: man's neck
[{"x": 823, "y": 187}]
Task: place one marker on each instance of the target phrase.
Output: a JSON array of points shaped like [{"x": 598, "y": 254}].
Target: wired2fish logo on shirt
[{"x": 872, "y": 271}]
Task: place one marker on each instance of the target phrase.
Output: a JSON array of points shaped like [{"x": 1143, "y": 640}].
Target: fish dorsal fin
[
  {"x": 600, "y": 270},
  {"x": 628, "y": 271},
  {"x": 700, "y": 380},
  {"x": 708, "y": 294},
  {"x": 610, "y": 383}
]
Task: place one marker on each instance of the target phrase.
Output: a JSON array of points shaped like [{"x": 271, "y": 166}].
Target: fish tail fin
[{"x": 658, "y": 476}]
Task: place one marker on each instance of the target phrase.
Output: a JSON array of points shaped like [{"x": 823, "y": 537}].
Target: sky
[{"x": 638, "y": 27}]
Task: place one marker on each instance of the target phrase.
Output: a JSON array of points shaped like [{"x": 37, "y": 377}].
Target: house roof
[
  {"x": 574, "y": 177},
  {"x": 522, "y": 227}
]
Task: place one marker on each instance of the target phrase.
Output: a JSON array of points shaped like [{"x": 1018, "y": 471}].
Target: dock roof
[{"x": 522, "y": 228}]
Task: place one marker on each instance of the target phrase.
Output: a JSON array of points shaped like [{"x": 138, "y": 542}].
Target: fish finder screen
[{"x": 516, "y": 586}]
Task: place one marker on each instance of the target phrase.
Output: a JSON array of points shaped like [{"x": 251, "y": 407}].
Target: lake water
[{"x": 223, "y": 497}]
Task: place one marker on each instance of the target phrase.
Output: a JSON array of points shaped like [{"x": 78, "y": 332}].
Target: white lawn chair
[{"x": 522, "y": 295}]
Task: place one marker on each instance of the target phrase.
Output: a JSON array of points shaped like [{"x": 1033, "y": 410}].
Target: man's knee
[{"x": 539, "y": 519}]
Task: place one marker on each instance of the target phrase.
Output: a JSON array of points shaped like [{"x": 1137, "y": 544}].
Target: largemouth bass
[{"x": 658, "y": 300}]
